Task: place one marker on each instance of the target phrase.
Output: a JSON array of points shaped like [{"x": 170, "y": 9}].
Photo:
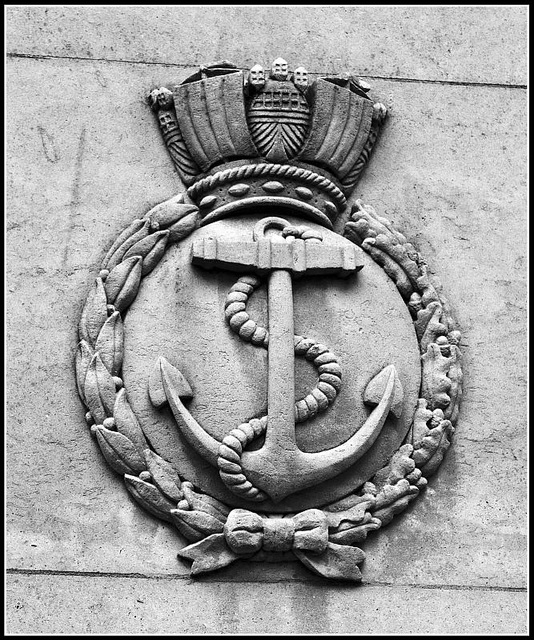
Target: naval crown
[{"x": 268, "y": 138}]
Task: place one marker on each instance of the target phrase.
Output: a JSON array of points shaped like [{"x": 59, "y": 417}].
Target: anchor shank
[{"x": 280, "y": 434}]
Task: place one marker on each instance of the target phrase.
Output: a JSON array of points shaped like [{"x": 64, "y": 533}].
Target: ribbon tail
[
  {"x": 209, "y": 554},
  {"x": 338, "y": 562}
]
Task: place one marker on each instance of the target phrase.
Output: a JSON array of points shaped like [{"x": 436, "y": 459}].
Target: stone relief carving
[{"x": 221, "y": 281}]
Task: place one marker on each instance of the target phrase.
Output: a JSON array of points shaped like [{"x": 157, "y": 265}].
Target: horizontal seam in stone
[
  {"x": 97, "y": 574},
  {"x": 461, "y": 83},
  {"x": 451, "y": 587}
]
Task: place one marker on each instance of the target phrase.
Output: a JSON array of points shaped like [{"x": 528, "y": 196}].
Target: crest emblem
[
  {"x": 272, "y": 388},
  {"x": 278, "y": 114}
]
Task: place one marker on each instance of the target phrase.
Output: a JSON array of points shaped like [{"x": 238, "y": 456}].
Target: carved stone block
[{"x": 274, "y": 390}]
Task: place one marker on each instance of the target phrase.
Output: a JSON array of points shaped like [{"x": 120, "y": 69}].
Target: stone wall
[{"x": 85, "y": 158}]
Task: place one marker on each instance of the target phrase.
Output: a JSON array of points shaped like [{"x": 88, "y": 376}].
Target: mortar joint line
[
  {"x": 142, "y": 576},
  {"x": 462, "y": 83}
]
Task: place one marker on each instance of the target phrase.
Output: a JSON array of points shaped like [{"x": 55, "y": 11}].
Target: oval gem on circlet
[
  {"x": 207, "y": 202},
  {"x": 273, "y": 186},
  {"x": 304, "y": 193},
  {"x": 238, "y": 189},
  {"x": 330, "y": 207}
]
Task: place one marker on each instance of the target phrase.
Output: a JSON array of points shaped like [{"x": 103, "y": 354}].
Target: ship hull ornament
[{"x": 212, "y": 315}]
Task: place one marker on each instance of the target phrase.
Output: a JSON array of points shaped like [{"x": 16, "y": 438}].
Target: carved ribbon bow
[{"x": 246, "y": 534}]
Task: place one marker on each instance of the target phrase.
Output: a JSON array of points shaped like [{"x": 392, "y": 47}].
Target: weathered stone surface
[
  {"x": 85, "y": 158},
  {"x": 60, "y": 229},
  {"x": 55, "y": 231},
  {"x": 459, "y": 44},
  {"x": 455, "y": 215},
  {"x": 113, "y": 605}
]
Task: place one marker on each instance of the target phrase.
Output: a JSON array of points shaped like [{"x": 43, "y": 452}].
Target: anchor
[{"x": 279, "y": 468}]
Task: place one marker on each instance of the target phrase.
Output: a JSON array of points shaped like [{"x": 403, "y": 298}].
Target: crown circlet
[{"x": 244, "y": 139}]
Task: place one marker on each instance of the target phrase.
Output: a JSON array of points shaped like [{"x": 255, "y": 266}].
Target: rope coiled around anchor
[{"x": 317, "y": 401}]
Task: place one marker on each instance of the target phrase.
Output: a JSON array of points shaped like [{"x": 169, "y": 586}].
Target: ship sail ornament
[{"x": 272, "y": 388}]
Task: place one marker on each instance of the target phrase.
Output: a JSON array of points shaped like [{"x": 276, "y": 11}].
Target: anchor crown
[{"x": 241, "y": 139}]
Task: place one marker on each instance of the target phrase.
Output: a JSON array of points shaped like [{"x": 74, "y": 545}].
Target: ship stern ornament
[{"x": 273, "y": 389}]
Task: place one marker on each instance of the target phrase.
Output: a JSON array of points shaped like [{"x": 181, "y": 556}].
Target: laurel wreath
[{"x": 156, "y": 485}]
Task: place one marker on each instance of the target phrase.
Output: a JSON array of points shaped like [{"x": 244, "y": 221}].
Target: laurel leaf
[
  {"x": 390, "y": 493},
  {"x": 448, "y": 321},
  {"x": 387, "y": 514},
  {"x": 169, "y": 212},
  {"x": 149, "y": 497},
  {"x": 435, "y": 384},
  {"x": 109, "y": 343},
  {"x": 94, "y": 313},
  {"x": 119, "y": 451},
  {"x": 455, "y": 375},
  {"x": 425, "y": 448},
  {"x": 428, "y": 326},
  {"x": 205, "y": 503},
  {"x": 196, "y": 525},
  {"x": 122, "y": 283},
  {"x": 127, "y": 423},
  {"x": 390, "y": 244},
  {"x": 390, "y": 266},
  {"x": 414, "y": 304},
  {"x": 163, "y": 475},
  {"x": 355, "y": 515},
  {"x": 366, "y": 223},
  {"x": 84, "y": 354},
  {"x": 422, "y": 416},
  {"x": 124, "y": 235},
  {"x": 348, "y": 502},
  {"x": 151, "y": 249},
  {"x": 99, "y": 389},
  {"x": 400, "y": 465},
  {"x": 356, "y": 231},
  {"x": 377, "y": 224},
  {"x": 183, "y": 227},
  {"x": 355, "y": 534},
  {"x": 426, "y": 288},
  {"x": 118, "y": 255},
  {"x": 430, "y": 450},
  {"x": 432, "y": 465}
]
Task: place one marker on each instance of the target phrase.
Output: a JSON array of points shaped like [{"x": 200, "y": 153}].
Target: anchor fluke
[
  {"x": 375, "y": 390},
  {"x": 168, "y": 385},
  {"x": 175, "y": 378},
  {"x": 297, "y": 470}
]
